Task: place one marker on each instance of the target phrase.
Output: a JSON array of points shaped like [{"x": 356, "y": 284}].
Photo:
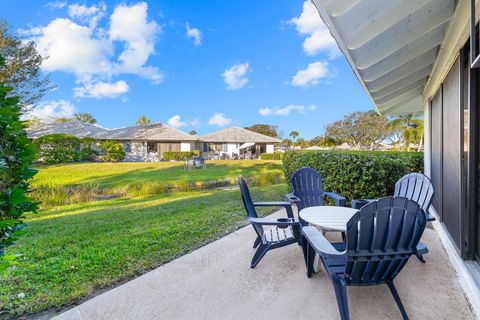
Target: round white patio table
[{"x": 328, "y": 218}]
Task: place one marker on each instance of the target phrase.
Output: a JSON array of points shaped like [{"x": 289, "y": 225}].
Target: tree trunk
[{"x": 420, "y": 144}]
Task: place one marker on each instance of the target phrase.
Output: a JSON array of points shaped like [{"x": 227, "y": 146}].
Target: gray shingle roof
[
  {"x": 154, "y": 131},
  {"x": 75, "y": 128},
  {"x": 238, "y": 135}
]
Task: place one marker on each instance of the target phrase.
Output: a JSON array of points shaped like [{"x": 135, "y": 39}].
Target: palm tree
[
  {"x": 193, "y": 132},
  {"x": 410, "y": 129},
  {"x": 84, "y": 117},
  {"x": 294, "y": 135},
  {"x": 142, "y": 121}
]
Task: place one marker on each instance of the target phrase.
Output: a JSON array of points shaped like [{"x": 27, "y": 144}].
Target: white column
[{"x": 428, "y": 139}]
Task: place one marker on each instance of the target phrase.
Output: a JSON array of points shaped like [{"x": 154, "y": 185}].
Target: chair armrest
[
  {"x": 339, "y": 200},
  {"x": 359, "y": 203},
  {"x": 319, "y": 243},
  {"x": 290, "y": 197},
  {"x": 286, "y": 205},
  {"x": 266, "y": 222},
  {"x": 272, "y": 204}
]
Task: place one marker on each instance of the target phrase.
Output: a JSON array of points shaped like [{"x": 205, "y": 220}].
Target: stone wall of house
[{"x": 137, "y": 152}]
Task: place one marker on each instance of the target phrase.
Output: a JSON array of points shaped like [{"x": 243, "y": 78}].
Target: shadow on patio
[{"x": 216, "y": 282}]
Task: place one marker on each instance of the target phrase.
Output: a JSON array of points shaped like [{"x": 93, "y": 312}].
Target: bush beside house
[
  {"x": 63, "y": 148},
  {"x": 180, "y": 155},
  {"x": 356, "y": 174},
  {"x": 112, "y": 151},
  {"x": 271, "y": 156}
]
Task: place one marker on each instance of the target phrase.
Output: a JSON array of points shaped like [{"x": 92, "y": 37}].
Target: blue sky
[{"x": 201, "y": 65}]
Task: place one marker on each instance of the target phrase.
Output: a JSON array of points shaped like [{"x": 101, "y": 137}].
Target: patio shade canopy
[
  {"x": 246, "y": 145},
  {"x": 391, "y": 45}
]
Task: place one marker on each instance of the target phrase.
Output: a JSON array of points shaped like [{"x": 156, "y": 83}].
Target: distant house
[
  {"x": 150, "y": 142},
  {"x": 238, "y": 141},
  {"x": 141, "y": 143}
]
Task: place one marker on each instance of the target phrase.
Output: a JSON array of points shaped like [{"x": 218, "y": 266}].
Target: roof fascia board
[
  {"x": 326, "y": 19},
  {"x": 457, "y": 35}
]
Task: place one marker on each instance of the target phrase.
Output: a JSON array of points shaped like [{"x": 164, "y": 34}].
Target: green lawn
[
  {"x": 79, "y": 183},
  {"x": 71, "y": 251}
]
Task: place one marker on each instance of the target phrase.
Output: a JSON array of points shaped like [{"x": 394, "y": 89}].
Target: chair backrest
[
  {"x": 307, "y": 186},
  {"x": 248, "y": 204},
  {"x": 380, "y": 239},
  {"x": 416, "y": 187}
]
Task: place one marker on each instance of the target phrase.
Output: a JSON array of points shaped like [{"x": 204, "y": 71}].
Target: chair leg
[
  {"x": 262, "y": 249},
  {"x": 420, "y": 251},
  {"x": 342, "y": 299},
  {"x": 343, "y": 236},
  {"x": 395, "y": 295},
  {"x": 257, "y": 242},
  {"x": 310, "y": 258},
  {"x": 419, "y": 256}
]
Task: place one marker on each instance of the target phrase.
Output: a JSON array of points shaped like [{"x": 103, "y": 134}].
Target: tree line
[{"x": 360, "y": 131}]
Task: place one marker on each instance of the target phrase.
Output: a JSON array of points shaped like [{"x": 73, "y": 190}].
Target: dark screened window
[{"x": 151, "y": 147}]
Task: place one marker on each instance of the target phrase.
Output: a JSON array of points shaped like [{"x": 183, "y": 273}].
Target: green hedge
[
  {"x": 356, "y": 174},
  {"x": 62, "y": 148},
  {"x": 179, "y": 155},
  {"x": 271, "y": 156}
]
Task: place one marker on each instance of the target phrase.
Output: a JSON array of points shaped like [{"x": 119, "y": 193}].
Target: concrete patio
[{"x": 216, "y": 282}]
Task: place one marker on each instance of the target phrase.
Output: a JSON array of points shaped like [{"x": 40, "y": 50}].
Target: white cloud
[
  {"x": 129, "y": 25},
  {"x": 219, "y": 119},
  {"x": 312, "y": 75},
  {"x": 47, "y": 110},
  {"x": 102, "y": 89},
  {"x": 285, "y": 111},
  {"x": 90, "y": 14},
  {"x": 56, "y": 4},
  {"x": 88, "y": 51},
  {"x": 318, "y": 38},
  {"x": 195, "y": 34},
  {"x": 236, "y": 76},
  {"x": 70, "y": 47},
  {"x": 176, "y": 121}
]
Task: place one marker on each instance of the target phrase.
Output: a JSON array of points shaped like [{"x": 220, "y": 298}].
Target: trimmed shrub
[
  {"x": 355, "y": 174},
  {"x": 271, "y": 156},
  {"x": 196, "y": 152},
  {"x": 178, "y": 155},
  {"x": 112, "y": 151},
  {"x": 58, "y": 148}
]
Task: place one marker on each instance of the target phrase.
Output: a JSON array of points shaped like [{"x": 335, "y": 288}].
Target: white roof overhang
[
  {"x": 246, "y": 145},
  {"x": 392, "y": 46}
]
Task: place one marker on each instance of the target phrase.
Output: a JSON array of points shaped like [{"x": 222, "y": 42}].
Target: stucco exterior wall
[
  {"x": 136, "y": 151},
  {"x": 233, "y": 148},
  {"x": 185, "y": 146},
  {"x": 270, "y": 148}
]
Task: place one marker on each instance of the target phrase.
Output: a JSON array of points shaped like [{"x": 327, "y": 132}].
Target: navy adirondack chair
[
  {"x": 271, "y": 234},
  {"x": 307, "y": 185},
  {"x": 416, "y": 187},
  {"x": 380, "y": 239}
]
